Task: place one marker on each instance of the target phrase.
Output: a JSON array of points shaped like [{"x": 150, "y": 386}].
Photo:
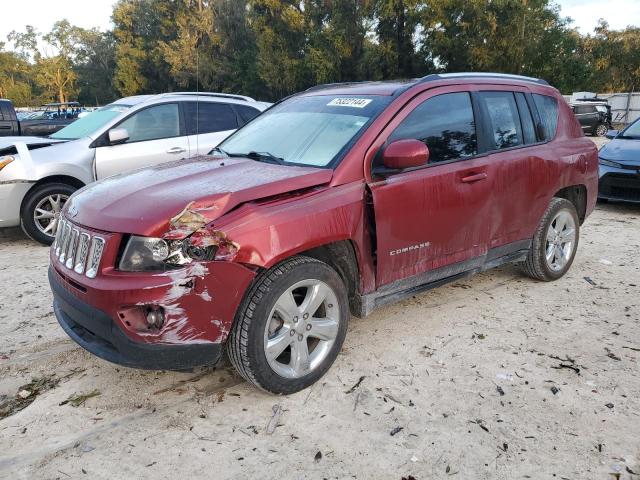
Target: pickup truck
[
  {"x": 334, "y": 202},
  {"x": 53, "y": 117}
]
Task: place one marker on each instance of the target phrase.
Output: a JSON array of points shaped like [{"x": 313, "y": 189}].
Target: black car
[
  {"x": 620, "y": 165},
  {"x": 594, "y": 117}
]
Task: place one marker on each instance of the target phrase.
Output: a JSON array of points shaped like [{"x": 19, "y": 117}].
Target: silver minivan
[{"x": 37, "y": 175}]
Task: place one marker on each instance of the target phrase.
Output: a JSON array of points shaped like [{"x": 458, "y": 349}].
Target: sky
[{"x": 97, "y": 13}]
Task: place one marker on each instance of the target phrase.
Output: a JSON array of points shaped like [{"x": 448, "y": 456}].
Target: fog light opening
[{"x": 155, "y": 318}]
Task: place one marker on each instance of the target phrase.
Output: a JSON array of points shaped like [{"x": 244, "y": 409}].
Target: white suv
[{"x": 37, "y": 175}]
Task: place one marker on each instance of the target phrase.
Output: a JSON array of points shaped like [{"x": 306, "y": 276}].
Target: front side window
[
  {"x": 504, "y": 120},
  {"x": 307, "y": 130},
  {"x": 208, "y": 117},
  {"x": 445, "y": 124},
  {"x": 153, "y": 123},
  {"x": 548, "y": 110}
]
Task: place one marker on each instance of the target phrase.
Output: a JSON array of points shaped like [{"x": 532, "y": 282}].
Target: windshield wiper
[{"x": 260, "y": 156}]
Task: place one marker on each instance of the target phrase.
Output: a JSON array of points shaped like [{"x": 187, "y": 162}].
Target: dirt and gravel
[{"x": 497, "y": 376}]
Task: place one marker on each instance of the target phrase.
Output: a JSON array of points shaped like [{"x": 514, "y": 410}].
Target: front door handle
[
  {"x": 476, "y": 177},
  {"x": 177, "y": 150}
]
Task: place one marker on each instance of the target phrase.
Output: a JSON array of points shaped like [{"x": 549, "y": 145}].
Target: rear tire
[
  {"x": 290, "y": 327},
  {"x": 41, "y": 209},
  {"x": 554, "y": 243}
]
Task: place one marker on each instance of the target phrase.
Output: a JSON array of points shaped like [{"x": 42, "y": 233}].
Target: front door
[
  {"x": 155, "y": 136},
  {"x": 437, "y": 216}
]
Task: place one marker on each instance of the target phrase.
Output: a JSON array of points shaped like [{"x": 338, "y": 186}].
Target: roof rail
[
  {"x": 330, "y": 85},
  {"x": 211, "y": 94},
  {"x": 503, "y": 76}
]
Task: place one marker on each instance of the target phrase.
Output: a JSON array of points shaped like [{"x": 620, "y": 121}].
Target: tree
[
  {"x": 140, "y": 28},
  {"x": 615, "y": 58},
  {"x": 279, "y": 27}
]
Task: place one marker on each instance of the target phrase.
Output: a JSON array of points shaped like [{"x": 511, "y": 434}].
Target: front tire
[
  {"x": 554, "y": 243},
  {"x": 41, "y": 210},
  {"x": 291, "y": 326},
  {"x": 600, "y": 130}
]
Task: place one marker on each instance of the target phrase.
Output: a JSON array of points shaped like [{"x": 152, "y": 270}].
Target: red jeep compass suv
[{"x": 335, "y": 201}]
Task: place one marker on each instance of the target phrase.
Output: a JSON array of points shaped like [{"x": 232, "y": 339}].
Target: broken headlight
[{"x": 146, "y": 253}]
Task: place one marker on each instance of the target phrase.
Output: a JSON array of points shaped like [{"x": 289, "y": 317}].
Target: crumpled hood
[
  {"x": 144, "y": 202},
  {"x": 622, "y": 150}
]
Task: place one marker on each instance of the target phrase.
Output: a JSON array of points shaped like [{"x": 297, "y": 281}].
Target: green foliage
[{"x": 272, "y": 48}]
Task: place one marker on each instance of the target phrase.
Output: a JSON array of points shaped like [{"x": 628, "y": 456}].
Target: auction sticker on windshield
[{"x": 349, "y": 102}]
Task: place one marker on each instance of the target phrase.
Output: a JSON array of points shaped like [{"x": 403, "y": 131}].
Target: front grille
[{"x": 78, "y": 250}]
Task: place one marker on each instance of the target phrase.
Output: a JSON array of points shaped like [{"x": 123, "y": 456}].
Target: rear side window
[
  {"x": 526, "y": 120},
  {"x": 208, "y": 117},
  {"x": 548, "y": 110},
  {"x": 445, "y": 123},
  {"x": 247, "y": 113},
  {"x": 504, "y": 120}
]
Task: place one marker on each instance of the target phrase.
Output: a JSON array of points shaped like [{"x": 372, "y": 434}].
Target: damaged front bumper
[
  {"x": 109, "y": 315},
  {"x": 95, "y": 331}
]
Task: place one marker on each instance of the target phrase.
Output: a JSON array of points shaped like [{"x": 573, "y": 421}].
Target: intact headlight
[
  {"x": 609, "y": 163},
  {"x": 146, "y": 253}
]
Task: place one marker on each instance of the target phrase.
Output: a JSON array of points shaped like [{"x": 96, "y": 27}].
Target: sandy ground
[{"x": 456, "y": 382}]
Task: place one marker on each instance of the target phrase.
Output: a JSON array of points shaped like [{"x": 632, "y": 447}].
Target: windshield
[
  {"x": 85, "y": 126},
  {"x": 312, "y": 131},
  {"x": 632, "y": 131}
]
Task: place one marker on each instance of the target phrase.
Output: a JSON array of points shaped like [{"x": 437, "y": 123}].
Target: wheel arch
[
  {"x": 67, "y": 179},
  {"x": 576, "y": 194}
]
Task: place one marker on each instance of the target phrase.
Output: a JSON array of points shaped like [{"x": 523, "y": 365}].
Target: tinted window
[
  {"x": 528, "y": 129},
  {"x": 247, "y": 113},
  {"x": 503, "y": 118},
  {"x": 548, "y": 110},
  {"x": 445, "y": 124},
  {"x": 161, "y": 121},
  {"x": 207, "y": 117}
]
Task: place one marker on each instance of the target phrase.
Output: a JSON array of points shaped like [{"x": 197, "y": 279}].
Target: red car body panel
[
  {"x": 447, "y": 214},
  {"x": 144, "y": 201}
]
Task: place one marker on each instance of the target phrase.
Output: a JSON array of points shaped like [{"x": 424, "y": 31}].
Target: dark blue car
[{"x": 620, "y": 165}]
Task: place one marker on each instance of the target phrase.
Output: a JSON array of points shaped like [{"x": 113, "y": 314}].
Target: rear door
[
  {"x": 519, "y": 181},
  {"x": 434, "y": 216},
  {"x": 156, "y": 135},
  {"x": 207, "y": 124}
]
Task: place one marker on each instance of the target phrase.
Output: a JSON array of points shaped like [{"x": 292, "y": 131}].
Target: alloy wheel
[
  {"x": 301, "y": 328},
  {"x": 47, "y": 213},
  {"x": 601, "y": 130},
  {"x": 561, "y": 237}
]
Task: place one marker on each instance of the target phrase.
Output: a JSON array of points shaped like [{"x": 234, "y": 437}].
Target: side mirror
[
  {"x": 611, "y": 134},
  {"x": 403, "y": 154},
  {"x": 118, "y": 135}
]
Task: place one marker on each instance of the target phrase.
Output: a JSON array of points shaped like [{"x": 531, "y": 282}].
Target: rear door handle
[
  {"x": 177, "y": 150},
  {"x": 476, "y": 177}
]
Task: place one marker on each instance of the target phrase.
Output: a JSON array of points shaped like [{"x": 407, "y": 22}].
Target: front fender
[{"x": 268, "y": 233}]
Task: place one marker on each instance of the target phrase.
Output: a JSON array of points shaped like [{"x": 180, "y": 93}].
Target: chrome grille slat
[
  {"x": 71, "y": 252},
  {"x": 81, "y": 256},
  {"x": 95, "y": 254},
  {"x": 60, "y": 237},
  {"x": 78, "y": 250},
  {"x": 66, "y": 237}
]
